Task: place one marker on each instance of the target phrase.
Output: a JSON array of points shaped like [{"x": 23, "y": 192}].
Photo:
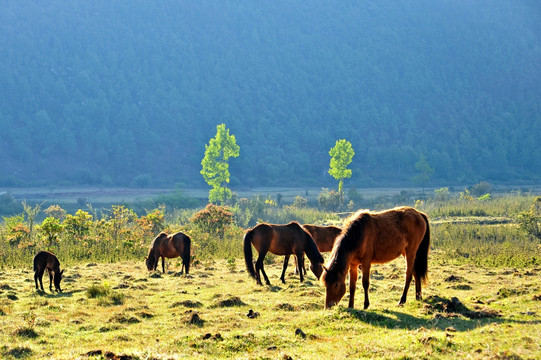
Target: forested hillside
[{"x": 129, "y": 92}]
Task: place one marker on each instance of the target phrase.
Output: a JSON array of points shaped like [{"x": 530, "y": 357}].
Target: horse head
[
  {"x": 57, "y": 278},
  {"x": 150, "y": 261},
  {"x": 317, "y": 269},
  {"x": 335, "y": 285}
]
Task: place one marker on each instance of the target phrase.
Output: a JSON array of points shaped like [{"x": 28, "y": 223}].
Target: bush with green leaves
[
  {"x": 78, "y": 225},
  {"x": 331, "y": 200},
  {"x": 530, "y": 220},
  {"x": 50, "y": 229}
]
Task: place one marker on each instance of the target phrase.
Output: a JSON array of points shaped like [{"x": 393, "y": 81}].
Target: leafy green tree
[
  {"x": 424, "y": 172},
  {"x": 215, "y": 164},
  {"x": 341, "y": 156}
]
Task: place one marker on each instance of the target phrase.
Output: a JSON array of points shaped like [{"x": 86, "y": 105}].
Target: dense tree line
[{"x": 130, "y": 92}]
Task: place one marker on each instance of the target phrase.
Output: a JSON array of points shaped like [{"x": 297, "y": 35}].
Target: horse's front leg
[
  {"x": 366, "y": 283},
  {"x": 163, "y": 264},
  {"x": 300, "y": 263},
  {"x": 286, "y": 260},
  {"x": 352, "y": 285},
  {"x": 50, "y": 280}
]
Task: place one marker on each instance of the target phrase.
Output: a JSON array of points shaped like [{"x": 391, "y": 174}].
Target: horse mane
[
  {"x": 347, "y": 242},
  {"x": 311, "y": 250},
  {"x": 154, "y": 243}
]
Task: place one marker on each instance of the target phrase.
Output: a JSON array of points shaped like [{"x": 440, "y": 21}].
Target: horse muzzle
[{"x": 329, "y": 305}]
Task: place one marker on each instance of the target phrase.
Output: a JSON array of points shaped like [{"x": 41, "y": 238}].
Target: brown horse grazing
[
  {"x": 280, "y": 240},
  {"x": 371, "y": 238},
  {"x": 324, "y": 237},
  {"x": 46, "y": 260},
  {"x": 169, "y": 246}
]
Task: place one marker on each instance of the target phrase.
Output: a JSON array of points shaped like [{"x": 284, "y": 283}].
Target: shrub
[
  {"x": 530, "y": 220},
  {"x": 56, "y": 212},
  {"x": 300, "y": 202},
  {"x": 330, "y": 200},
  {"x": 50, "y": 228},
  {"x": 78, "y": 225},
  {"x": 442, "y": 194},
  {"x": 481, "y": 188}
]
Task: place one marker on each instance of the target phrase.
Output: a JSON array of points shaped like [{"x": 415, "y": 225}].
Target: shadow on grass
[
  {"x": 399, "y": 320},
  {"x": 56, "y": 294}
]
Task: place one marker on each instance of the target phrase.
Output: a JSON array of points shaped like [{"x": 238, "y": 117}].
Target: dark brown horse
[
  {"x": 324, "y": 237},
  {"x": 169, "y": 246},
  {"x": 280, "y": 240},
  {"x": 372, "y": 238},
  {"x": 46, "y": 260}
]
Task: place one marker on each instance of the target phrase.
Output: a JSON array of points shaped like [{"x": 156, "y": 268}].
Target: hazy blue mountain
[{"x": 129, "y": 92}]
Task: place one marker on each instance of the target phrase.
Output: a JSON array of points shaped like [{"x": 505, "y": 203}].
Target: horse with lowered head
[
  {"x": 169, "y": 246},
  {"x": 377, "y": 237},
  {"x": 286, "y": 240},
  {"x": 45, "y": 260}
]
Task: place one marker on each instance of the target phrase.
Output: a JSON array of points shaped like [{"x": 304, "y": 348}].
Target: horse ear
[
  {"x": 62, "y": 272},
  {"x": 146, "y": 258}
]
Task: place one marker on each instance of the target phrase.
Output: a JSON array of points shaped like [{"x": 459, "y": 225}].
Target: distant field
[
  {"x": 100, "y": 195},
  {"x": 104, "y": 194},
  {"x": 109, "y": 310}
]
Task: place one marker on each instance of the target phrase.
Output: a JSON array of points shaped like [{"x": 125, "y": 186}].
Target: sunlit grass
[{"x": 205, "y": 314}]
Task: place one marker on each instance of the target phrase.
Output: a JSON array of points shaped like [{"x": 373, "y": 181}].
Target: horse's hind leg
[
  {"x": 36, "y": 277},
  {"x": 40, "y": 278},
  {"x": 286, "y": 260},
  {"x": 259, "y": 266},
  {"x": 418, "y": 291},
  {"x": 409, "y": 272},
  {"x": 297, "y": 270}
]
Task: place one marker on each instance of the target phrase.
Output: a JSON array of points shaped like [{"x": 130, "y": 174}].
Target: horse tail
[
  {"x": 186, "y": 253},
  {"x": 421, "y": 258},
  {"x": 248, "y": 257}
]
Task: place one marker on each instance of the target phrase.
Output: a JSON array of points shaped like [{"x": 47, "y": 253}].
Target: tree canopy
[
  {"x": 215, "y": 164},
  {"x": 341, "y": 156}
]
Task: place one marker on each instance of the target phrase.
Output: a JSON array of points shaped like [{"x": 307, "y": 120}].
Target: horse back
[
  {"x": 324, "y": 236},
  {"x": 179, "y": 240},
  {"x": 46, "y": 260},
  {"x": 278, "y": 239},
  {"x": 394, "y": 232}
]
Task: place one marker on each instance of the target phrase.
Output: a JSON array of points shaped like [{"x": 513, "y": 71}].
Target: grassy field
[{"x": 115, "y": 310}]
